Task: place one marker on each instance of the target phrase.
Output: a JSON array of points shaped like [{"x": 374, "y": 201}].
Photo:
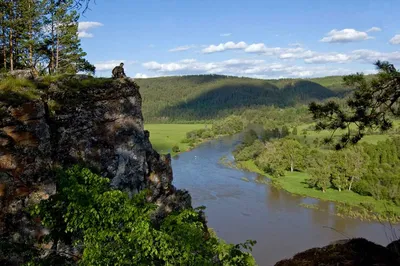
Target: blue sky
[{"x": 254, "y": 38}]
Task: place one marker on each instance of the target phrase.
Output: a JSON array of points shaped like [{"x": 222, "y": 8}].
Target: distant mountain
[{"x": 205, "y": 97}]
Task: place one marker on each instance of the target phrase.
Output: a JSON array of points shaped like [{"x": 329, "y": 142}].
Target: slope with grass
[{"x": 209, "y": 97}]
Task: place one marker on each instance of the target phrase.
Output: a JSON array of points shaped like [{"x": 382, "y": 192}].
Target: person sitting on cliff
[{"x": 118, "y": 71}]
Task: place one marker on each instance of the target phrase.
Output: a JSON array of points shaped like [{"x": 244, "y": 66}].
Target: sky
[{"x": 253, "y": 38}]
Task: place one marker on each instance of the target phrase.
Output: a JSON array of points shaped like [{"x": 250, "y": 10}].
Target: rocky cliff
[
  {"x": 350, "y": 252},
  {"x": 76, "y": 120}
]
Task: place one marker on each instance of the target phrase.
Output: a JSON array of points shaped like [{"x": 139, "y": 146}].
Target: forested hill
[{"x": 206, "y": 97}]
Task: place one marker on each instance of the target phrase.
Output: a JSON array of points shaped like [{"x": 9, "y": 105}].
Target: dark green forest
[{"x": 209, "y": 97}]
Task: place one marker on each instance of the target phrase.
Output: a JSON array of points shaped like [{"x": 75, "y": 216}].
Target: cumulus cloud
[
  {"x": 373, "y": 29},
  {"x": 85, "y": 26},
  {"x": 242, "y": 67},
  {"x": 141, "y": 76},
  {"x": 109, "y": 65},
  {"x": 181, "y": 48},
  {"x": 345, "y": 35},
  {"x": 328, "y": 58},
  {"x": 395, "y": 39},
  {"x": 280, "y": 52},
  {"x": 361, "y": 55},
  {"x": 370, "y": 56},
  {"x": 84, "y": 34},
  {"x": 223, "y": 47},
  {"x": 225, "y": 34},
  {"x": 295, "y": 44}
]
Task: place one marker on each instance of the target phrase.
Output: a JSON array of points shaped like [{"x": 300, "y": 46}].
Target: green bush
[
  {"x": 176, "y": 149},
  {"x": 249, "y": 137},
  {"x": 362, "y": 188},
  {"x": 114, "y": 229},
  {"x": 207, "y": 134}
]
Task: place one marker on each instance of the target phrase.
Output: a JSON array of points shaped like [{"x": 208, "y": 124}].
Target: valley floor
[{"x": 164, "y": 136}]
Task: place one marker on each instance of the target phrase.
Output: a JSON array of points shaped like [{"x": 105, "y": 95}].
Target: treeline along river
[{"x": 238, "y": 210}]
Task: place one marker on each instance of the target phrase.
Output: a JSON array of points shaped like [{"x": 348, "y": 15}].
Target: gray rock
[{"x": 22, "y": 73}]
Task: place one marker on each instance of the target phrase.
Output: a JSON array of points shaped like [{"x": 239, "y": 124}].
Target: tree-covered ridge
[
  {"x": 41, "y": 36},
  {"x": 207, "y": 97}
]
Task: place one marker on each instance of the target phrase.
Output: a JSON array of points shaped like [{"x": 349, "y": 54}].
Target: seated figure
[{"x": 118, "y": 71}]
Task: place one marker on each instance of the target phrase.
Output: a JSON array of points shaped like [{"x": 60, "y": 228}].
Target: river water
[{"x": 238, "y": 210}]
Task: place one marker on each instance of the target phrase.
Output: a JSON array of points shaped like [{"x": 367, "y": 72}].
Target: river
[{"x": 238, "y": 210}]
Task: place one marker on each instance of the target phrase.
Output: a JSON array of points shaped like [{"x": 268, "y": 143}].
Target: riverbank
[{"x": 351, "y": 204}]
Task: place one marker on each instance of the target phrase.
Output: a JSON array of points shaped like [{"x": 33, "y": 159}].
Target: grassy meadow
[
  {"x": 321, "y": 135},
  {"x": 164, "y": 136}
]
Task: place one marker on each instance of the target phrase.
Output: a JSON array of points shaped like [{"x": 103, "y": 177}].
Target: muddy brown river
[{"x": 239, "y": 210}]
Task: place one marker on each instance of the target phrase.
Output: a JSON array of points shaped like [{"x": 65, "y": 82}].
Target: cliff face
[{"x": 97, "y": 123}]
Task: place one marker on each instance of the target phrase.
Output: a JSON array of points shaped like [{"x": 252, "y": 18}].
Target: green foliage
[
  {"x": 245, "y": 153},
  {"x": 175, "y": 149},
  {"x": 113, "y": 229},
  {"x": 249, "y": 137},
  {"x": 294, "y": 131},
  {"x": 229, "y": 126},
  {"x": 41, "y": 36},
  {"x": 369, "y": 107}
]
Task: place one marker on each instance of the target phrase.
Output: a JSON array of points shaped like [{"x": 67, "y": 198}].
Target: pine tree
[
  {"x": 285, "y": 131},
  {"x": 30, "y": 28},
  {"x": 62, "y": 44}
]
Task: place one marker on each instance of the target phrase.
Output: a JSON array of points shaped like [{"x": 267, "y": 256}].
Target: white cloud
[
  {"x": 223, "y": 47},
  {"x": 373, "y": 29},
  {"x": 84, "y": 26},
  {"x": 84, "y": 34},
  {"x": 282, "y": 53},
  {"x": 395, "y": 39},
  {"x": 345, "y": 35},
  {"x": 109, "y": 65},
  {"x": 181, "y": 48},
  {"x": 141, "y": 76},
  {"x": 362, "y": 55},
  {"x": 225, "y": 34},
  {"x": 256, "y": 48},
  {"x": 328, "y": 58},
  {"x": 370, "y": 56},
  {"x": 295, "y": 44},
  {"x": 243, "y": 67}
]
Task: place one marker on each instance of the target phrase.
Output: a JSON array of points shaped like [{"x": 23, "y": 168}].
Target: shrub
[
  {"x": 115, "y": 229},
  {"x": 176, "y": 149},
  {"x": 207, "y": 134}
]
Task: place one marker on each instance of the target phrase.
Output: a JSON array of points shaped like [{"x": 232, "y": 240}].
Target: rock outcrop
[
  {"x": 352, "y": 252},
  {"x": 94, "y": 122}
]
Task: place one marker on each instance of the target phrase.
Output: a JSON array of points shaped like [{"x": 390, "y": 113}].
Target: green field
[
  {"x": 164, "y": 136},
  {"x": 311, "y": 134}
]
